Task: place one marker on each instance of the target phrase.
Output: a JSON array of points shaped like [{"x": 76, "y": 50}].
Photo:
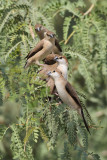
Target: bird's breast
[
  {"x": 61, "y": 91},
  {"x": 63, "y": 69},
  {"x": 64, "y": 95},
  {"x": 47, "y": 49},
  {"x": 48, "y": 45}
]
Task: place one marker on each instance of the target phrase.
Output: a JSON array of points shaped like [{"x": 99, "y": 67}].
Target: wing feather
[
  {"x": 57, "y": 45},
  {"x": 38, "y": 48},
  {"x": 72, "y": 93}
]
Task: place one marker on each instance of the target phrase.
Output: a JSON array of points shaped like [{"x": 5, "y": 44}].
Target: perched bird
[
  {"x": 61, "y": 64},
  {"x": 40, "y": 30},
  {"x": 42, "y": 49},
  {"x": 67, "y": 93}
]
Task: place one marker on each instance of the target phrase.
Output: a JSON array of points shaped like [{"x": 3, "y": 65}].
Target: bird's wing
[
  {"x": 38, "y": 47},
  {"x": 72, "y": 93},
  {"x": 57, "y": 45}
]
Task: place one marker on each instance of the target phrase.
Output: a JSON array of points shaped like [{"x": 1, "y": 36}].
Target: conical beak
[
  {"x": 49, "y": 73},
  {"x": 38, "y": 29},
  {"x": 56, "y": 58},
  {"x": 52, "y": 35}
]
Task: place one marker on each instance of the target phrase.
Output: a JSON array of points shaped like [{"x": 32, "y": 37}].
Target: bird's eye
[
  {"x": 53, "y": 71},
  {"x": 60, "y": 57}
]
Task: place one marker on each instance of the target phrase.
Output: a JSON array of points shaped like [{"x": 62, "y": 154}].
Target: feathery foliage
[{"x": 28, "y": 119}]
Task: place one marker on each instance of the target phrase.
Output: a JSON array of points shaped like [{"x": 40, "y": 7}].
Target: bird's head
[
  {"x": 38, "y": 27},
  {"x": 49, "y": 35},
  {"x": 54, "y": 74},
  {"x": 61, "y": 60}
]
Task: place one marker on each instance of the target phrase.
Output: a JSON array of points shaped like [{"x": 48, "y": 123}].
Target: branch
[
  {"x": 69, "y": 37},
  {"x": 31, "y": 31},
  {"x": 89, "y": 10}
]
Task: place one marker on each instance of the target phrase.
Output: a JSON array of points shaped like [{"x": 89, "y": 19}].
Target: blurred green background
[{"x": 80, "y": 26}]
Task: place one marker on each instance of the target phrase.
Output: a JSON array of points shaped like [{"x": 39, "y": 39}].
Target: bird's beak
[
  {"x": 38, "y": 29},
  {"x": 49, "y": 73},
  {"x": 56, "y": 58},
  {"x": 52, "y": 35}
]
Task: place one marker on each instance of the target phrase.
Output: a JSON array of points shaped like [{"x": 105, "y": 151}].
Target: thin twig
[
  {"x": 89, "y": 10},
  {"x": 69, "y": 37},
  {"x": 26, "y": 132},
  {"x": 58, "y": 11},
  {"x": 31, "y": 31},
  {"x": 20, "y": 124},
  {"x": 79, "y": 143},
  {"x": 95, "y": 127},
  {"x": 62, "y": 41}
]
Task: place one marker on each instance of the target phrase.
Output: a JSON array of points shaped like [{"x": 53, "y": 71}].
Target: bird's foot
[
  {"x": 56, "y": 93},
  {"x": 60, "y": 102}
]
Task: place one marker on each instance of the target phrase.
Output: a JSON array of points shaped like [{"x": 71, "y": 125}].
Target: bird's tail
[
  {"x": 86, "y": 125},
  {"x": 26, "y": 57},
  {"x": 25, "y": 66}
]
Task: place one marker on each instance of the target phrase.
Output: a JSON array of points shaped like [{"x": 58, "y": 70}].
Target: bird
[
  {"x": 42, "y": 49},
  {"x": 40, "y": 30},
  {"x": 67, "y": 93},
  {"x": 61, "y": 64}
]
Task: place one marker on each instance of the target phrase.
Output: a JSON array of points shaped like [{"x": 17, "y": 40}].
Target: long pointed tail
[
  {"x": 25, "y": 66},
  {"x": 26, "y": 57},
  {"x": 86, "y": 125}
]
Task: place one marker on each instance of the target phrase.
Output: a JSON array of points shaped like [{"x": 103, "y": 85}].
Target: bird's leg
[{"x": 39, "y": 64}]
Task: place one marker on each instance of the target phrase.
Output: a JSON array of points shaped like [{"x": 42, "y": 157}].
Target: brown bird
[
  {"x": 67, "y": 93},
  {"x": 40, "y": 30},
  {"x": 61, "y": 64},
  {"x": 42, "y": 49}
]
